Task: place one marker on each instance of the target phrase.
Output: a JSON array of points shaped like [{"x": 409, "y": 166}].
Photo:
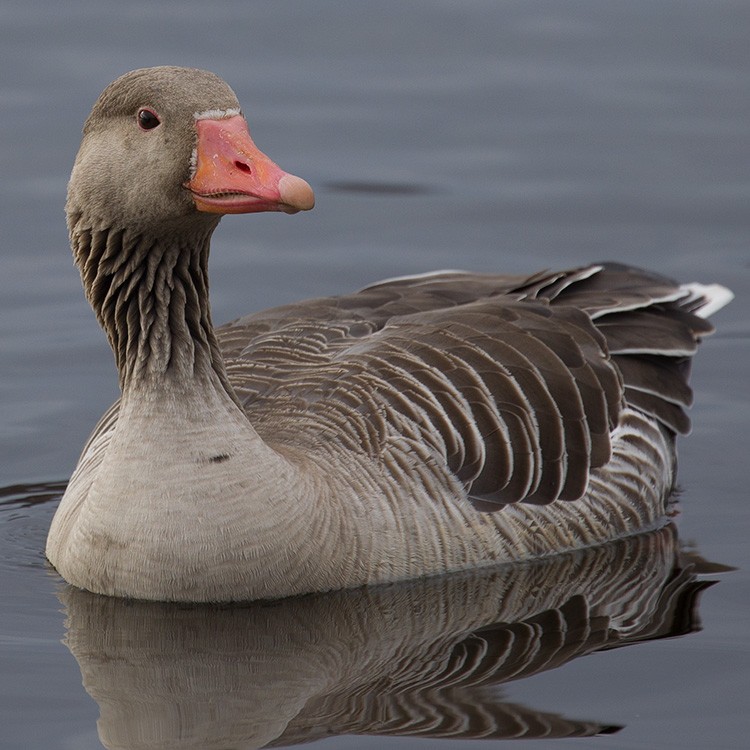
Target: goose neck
[{"x": 150, "y": 294}]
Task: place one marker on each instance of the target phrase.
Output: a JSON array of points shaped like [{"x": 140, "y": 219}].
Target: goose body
[{"x": 421, "y": 425}]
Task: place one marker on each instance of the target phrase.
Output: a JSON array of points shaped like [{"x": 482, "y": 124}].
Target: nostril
[{"x": 242, "y": 167}]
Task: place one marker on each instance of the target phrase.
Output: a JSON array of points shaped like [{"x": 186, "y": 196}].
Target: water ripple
[{"x": 26, "y": 511}]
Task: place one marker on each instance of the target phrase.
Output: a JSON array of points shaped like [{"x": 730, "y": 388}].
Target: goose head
[{"x": 169, "y": 146}]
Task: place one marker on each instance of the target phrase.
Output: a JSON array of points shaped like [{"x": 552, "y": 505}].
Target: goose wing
[{"x": 509, "y": 382}]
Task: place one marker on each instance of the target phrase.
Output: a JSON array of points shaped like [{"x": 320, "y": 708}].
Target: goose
[{"x": 422, "y": 425}]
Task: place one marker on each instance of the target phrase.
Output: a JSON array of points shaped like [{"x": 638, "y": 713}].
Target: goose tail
[{"x": 704, "y": 300}]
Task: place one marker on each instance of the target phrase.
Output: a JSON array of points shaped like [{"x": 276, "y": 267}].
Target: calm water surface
[{"x": 486, "y": 135}]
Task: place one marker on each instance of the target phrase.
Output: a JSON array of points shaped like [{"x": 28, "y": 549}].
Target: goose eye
[{"x": 148, "y": 119}]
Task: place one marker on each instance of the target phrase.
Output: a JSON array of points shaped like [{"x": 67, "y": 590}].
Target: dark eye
[{"x": 148, "y": 119}]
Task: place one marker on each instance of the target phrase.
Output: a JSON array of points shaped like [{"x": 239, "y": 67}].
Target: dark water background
[{"x": 484, "y": 135}]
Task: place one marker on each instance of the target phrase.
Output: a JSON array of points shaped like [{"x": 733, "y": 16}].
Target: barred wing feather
[{"x": 513, "y": 383}]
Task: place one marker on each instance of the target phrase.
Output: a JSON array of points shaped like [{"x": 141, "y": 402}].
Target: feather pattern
[{"x": 514, "y": 384}]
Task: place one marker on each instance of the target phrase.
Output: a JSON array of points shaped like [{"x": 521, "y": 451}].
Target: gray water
[{"x": 486, "y": 135}]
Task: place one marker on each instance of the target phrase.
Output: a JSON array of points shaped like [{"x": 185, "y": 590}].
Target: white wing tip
[{"x": 713, "y": 296}]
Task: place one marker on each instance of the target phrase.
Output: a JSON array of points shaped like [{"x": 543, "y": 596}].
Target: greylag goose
[{"x": 421, "y": 425}]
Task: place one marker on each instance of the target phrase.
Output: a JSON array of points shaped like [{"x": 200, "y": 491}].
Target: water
[{"x": 485, "y": 135}]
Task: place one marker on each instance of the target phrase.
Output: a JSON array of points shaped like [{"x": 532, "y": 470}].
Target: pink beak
[{"x": 232, "y": 176}]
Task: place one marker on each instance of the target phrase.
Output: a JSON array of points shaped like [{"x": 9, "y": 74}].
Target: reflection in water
[
  {"x": 28, "y": 495},
  {"x": 422, "y": 658}
]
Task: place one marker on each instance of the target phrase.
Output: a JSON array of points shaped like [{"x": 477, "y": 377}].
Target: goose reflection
[{"x": 422, "y": 658}]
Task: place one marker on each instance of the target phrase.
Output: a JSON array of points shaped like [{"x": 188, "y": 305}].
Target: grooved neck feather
[{"x": 150, "y": 294}]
